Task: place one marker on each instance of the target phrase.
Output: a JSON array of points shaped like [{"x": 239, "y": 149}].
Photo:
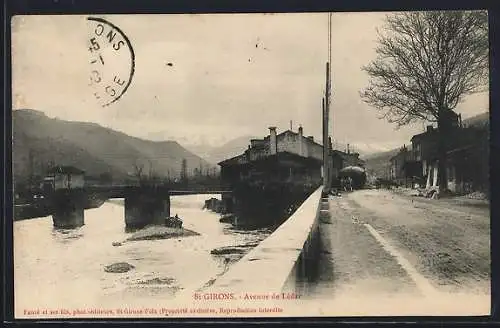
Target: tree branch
[{"x": 426, "y": 63}]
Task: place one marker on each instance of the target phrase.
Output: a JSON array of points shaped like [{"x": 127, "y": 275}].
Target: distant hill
[
  {"x": 238, "y": 145},
  {"x": 477, "y": 120},
  {"x": 91, "y": 147},
  {"x": 377, "y": 164},
  {"x": 231, "y": 148},
  {"x": 227, "y": 150}
]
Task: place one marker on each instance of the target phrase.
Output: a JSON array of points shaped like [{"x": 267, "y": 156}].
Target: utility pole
[
  {"x": 326, "y": 113},
  {"x": 31, "y": 169},
  {"x": 326, "y": 162}
]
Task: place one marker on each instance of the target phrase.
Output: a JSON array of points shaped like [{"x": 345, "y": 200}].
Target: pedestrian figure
[
  {"x": 349, "y": 183},
  {"x": 177, "y": 222},
  {"x": 226, "y": 263}
]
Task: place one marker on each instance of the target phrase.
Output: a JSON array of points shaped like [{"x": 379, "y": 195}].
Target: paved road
[{"x": 384, "y": 244}]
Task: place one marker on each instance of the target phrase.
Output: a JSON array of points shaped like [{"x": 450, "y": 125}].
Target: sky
[{"x": 207, "y": 79}]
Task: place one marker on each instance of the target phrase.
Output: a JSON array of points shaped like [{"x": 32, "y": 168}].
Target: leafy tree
[{"x": 427, "y": 62}]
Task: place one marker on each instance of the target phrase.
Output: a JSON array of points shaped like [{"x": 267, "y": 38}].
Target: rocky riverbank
[{"x": 155, "y": 232}]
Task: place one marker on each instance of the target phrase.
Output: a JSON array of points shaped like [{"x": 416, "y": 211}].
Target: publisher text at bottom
[{"x": 239, "y": 310}]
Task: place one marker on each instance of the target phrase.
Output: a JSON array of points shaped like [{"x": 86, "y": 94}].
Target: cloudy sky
[{"x": 219, "y": 85}]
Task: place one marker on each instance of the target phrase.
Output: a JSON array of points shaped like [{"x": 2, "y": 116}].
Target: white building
[{"x": 64, "y": 177}]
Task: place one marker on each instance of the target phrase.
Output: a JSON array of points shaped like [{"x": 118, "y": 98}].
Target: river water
[{"x": 64, "y": 269}]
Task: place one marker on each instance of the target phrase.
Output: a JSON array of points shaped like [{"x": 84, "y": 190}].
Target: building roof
[
  {"x": 339, "y": 153},
  {"x": 425, "y": 134},
  {"x": 242, "y": 157},
  {"x": 233, "y": 160},
  {"x": 284, "y": 155},
  {"x": 344, "y": 155},
  {"x": 403, "y": 151},
  {"x": 291, "y": 133},
  {"x": 65, "y": 169},
  {"x": 432, "y": 131}
]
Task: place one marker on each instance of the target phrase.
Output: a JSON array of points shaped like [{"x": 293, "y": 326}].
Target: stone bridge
[{"x": 144, "y": 205}]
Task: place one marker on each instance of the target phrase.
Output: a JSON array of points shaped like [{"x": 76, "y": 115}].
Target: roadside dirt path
[
  {"x": 352, "y": 259},
  {"x": 449, "y": 246},
  {"x": 378, "y": 244}
]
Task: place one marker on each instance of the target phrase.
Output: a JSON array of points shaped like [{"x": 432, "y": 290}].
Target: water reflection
[{"x": 65, "y": 236}]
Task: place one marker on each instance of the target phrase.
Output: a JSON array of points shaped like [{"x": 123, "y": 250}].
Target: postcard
[{"x": 251, "y": 165}]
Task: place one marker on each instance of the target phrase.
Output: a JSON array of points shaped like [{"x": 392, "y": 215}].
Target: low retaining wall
[{"x": 283, "y": 261}]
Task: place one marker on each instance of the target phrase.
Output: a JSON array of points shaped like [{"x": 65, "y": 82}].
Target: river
[{"x": 56, "y": 269}]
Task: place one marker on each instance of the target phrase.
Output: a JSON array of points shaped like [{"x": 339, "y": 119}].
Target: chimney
[
  {"x": 348, "y": 150},
  {"x": 272, "y": 140},
  {"x": 301, "y": 142},
  {"x": 330, "y": 146}
]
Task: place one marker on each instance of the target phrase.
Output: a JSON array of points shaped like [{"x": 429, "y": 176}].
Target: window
[
  {"x": 451, "y": 173},
  {"x": 417, "y": 151}
]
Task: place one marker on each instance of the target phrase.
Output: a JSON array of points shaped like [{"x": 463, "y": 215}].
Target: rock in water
[
  {"x": 227, "y": 250},
  {"x": 119, "y": 267},
  {"x": 227, "y": 218},
  {"x": 116, "y": 243}
]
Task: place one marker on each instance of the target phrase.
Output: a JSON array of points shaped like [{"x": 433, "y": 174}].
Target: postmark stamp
[{"x": 112, "y": 61}]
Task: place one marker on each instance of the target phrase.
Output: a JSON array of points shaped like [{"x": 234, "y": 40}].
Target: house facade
[
  {"x": 425, "y": 152},
  {"x": 466, "y": 158},
  {"x": 397, "y": 168},
  {"x": 64, "y": 177},
  {"x": 288, "y": 157}
]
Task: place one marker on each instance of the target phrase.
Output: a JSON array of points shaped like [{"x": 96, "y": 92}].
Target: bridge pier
[
  {"x": 68, "y": 208},
  {"x": 145, "y": 207},
  {"x": 227, "y": 203}
]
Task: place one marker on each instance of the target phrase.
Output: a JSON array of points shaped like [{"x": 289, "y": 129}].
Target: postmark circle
[{"x": 112, "y": 61}]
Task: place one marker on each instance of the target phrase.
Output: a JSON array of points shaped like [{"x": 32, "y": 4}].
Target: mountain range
[
  {"x": 237, "y": 146},
  {"x": 215, "y": 154},
  {"x": 39, "y": 140}
]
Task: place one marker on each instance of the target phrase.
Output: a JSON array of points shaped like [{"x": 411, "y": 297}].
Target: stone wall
[{"x": 280, "y": 260}]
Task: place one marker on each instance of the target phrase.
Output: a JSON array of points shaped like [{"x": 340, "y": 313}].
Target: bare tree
[
  {"x": 153, "y": 176},
  {"x": 184, "y": 174},
  {"x": 152, "y": 172},
  {"x": 426, "y": 63},
  {"x": 148, "y": 177},
  {"x": 138, "y": 171}
]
